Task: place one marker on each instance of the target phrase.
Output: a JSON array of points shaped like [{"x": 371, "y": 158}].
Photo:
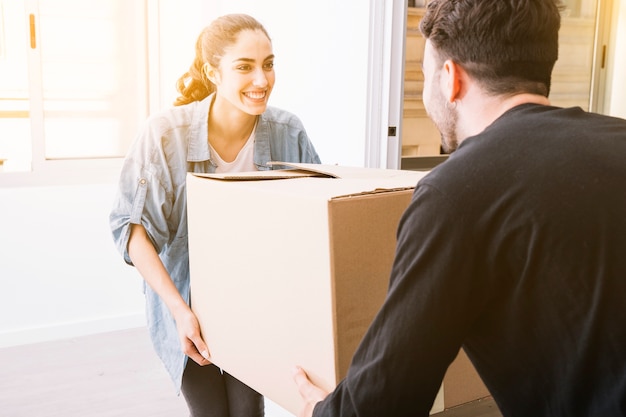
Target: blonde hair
[{"x": 194, "y": 85}]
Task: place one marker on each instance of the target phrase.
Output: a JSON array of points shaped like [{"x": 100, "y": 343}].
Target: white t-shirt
[{"x": 244, "y": 160}]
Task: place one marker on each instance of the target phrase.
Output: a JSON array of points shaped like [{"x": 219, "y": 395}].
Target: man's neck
[{"x": 483, "y": 112}]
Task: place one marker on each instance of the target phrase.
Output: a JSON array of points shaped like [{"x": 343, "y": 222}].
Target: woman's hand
[
  {"x": 191, "y": 341},
  {"x": 310, "y": 393}
]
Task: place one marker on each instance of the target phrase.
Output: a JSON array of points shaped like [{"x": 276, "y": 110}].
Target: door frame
[{"x": 385, "y": 84}]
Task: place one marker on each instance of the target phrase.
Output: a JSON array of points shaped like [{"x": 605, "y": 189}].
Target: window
[{"x": 74, "y": 86}]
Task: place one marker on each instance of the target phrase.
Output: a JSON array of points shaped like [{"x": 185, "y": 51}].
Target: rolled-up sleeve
[
  {"x": 128, "y": 207},
  {"x": 141, "y": 196}
]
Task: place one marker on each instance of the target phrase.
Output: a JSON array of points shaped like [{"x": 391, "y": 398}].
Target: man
[{"x": 514, "y": 248}]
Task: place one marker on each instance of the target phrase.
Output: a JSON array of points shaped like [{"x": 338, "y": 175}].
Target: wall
[
  {"x": 61, "y": 275},
  {"x": 617, "y": 85}
]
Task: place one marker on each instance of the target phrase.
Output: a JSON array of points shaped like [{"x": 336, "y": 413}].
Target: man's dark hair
[{"x": 509, "y": 46}]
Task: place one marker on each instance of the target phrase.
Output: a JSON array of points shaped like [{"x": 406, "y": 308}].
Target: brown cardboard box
[{"x": 292, "y": 271}]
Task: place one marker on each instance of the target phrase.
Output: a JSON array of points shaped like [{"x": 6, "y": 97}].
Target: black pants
[{"x": 209, "y": 392}]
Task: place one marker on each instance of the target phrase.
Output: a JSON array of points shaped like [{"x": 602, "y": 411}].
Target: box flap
[
  {"x": 297, "y": 171},
  {"x": 347, "y": 172},
  {"x": 300, "y": 170}
]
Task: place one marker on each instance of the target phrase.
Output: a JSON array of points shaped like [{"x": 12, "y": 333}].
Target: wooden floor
[{"x": 110, "y": 374}]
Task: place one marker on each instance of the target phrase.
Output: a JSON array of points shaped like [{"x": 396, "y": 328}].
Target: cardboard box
[{"x": 289, "y": 268}]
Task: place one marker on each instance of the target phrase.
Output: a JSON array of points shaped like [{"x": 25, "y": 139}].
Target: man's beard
[
  {"x": 447, "y": 123},
  {"x": 445, "y": 117}
]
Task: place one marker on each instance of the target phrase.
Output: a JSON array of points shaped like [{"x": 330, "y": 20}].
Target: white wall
[
  {"x": 61, "y": 275},
  {"x": 617, "y": 105}
]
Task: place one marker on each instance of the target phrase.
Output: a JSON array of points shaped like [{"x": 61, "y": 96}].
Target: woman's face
[{"x": 245, "y": 76}]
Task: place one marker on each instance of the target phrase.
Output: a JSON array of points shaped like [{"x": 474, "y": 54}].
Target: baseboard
[{"x": 70, "y": 330}]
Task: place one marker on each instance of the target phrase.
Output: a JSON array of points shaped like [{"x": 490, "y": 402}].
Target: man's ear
[
  {"x": 211, "y": 73},
  {"x": 453, "y": 73}
]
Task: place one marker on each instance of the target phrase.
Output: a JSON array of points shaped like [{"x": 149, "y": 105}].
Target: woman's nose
[{"x": 260, "y": 78}]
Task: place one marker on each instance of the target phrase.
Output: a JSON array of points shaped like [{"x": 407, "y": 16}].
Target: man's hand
[{"x": 311, "y": 393}]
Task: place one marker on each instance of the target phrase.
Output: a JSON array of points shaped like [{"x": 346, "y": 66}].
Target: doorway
[{"x": 577, "y": 78}]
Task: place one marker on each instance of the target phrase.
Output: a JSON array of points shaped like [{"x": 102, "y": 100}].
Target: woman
[{"x": 220, "y": 123}]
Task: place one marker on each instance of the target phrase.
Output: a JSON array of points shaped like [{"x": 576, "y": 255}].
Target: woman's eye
[
  {"x": 244, "y": 67},
  {"x": 268, "y": 65}
]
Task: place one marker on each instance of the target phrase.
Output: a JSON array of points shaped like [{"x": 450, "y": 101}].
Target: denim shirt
[{"x": 152, "y": 193}]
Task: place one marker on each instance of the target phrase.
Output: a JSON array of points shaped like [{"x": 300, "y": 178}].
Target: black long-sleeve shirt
[{"x": 515, "y": 249}]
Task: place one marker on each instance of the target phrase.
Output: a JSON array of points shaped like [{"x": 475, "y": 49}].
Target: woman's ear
[
  {"x": 453, "y": 73},
  {"x": 211, "y": 73}
]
